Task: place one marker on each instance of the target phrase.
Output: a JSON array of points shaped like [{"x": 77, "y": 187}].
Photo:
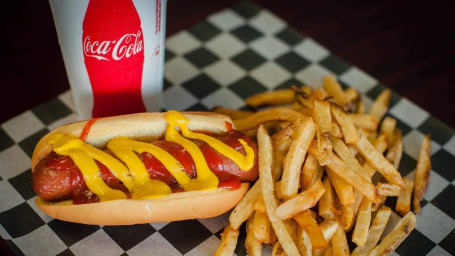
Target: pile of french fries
[{"x": 326, "y": 168}]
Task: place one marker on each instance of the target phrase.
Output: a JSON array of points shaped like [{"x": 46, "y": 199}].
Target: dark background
[{"x": 406, "y": 45}]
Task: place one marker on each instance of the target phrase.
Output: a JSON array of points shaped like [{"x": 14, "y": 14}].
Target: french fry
[
  {"x": 348, "y": 213},
  {"x": 272, "y": 114},
  {"x": 366, "y": 122},
  {"x": 396, "y": 150},
  {"x": 326, "y": 204},
  {"x": 252, "y": 245},
  {"x": 381, "y": 104},
  {"x": 268, "y": 192},
  {"x": 319, "y": 94},
  {"x": 422, "y": 174},
  {"x": 378, "y": 161},
  {"x": 306, "y": 102},
  {"x": 244, "y": 208},
  {"x": 336, "y": 130},
  {"x": 303, "y": 242},
  {"x": 293, "y": 228},
  {"x": 357, "y": 200},
  {"x": 343, "y": 189},
  {"x": 301, "y": 238},
  {"x": 360, "y": 109},
  {"x": 228, "y": 241},
  {"x": 279, "y": 153},
  {"x": 380, "y": 143},
  {"x": 403, "y": 205},
  {"x": 271, "y": 98},
  {"x": 295, "y": 157},
  {"x": 340, "y": 169},
  {"x": 376, "y": 206},
  {"x": 278, "y": 250},
  {"x": 271, "y": 125},
  {"x": 358, "y": 182},
  {"x": 272, "y": 238},
  {"x": 339, "y": 242},
  {"x": 387, "y": 189},
  {"x": 347, "y": 126},
  {"x": 259, "y": 204},
  {"x": 311, "y": 171},
  {"x": 304, "y": 89},
  {"x": 281, "y": 142},
  {"x": 306, "y": 111},
  {"x": 328, "y": 228},
  {"x": 261, "y": 227},
  {"x": 286, "y": 133},
  {"x": 329, "y": 250},
  {"x": 282, "y": 125},
  {"x": 374, "y": 232},
  {"x": 323, "y": 120},
  {"x": 278, "y": 191},
  {"x": 352, "y": 149},
  {"x": 334, "y": 89},
  {"x": 387, "y": 128},
  {"x": 351, "y": 95},
  {"x": 369, "y": 169},
  {"x": 355, "y": 180},
  {"x": 232, "y": 113},
  {"x": 362, "y": 224},
  {"x": 324, "y": 131},
  {"x": 347, "y": 216},
  {"x": 303, "y": 201},
  {"x": 371, "y": 135},
  {"x": 390, "y": 242},
  {"x": 345, "y": 154},
  {"x": 311, "y": 227}
]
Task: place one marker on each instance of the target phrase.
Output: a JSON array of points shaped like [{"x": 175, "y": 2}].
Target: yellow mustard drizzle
[
  {"x": 83, "y": 156},
  {"x": 124, "y": 148},
  {"x": 205, "y": 178},
  {"x": 244, "y": 162},
  {"x": 135, "y": 177}
]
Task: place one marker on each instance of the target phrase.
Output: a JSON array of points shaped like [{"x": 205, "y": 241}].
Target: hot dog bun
[{"x": 176, "y": 206}]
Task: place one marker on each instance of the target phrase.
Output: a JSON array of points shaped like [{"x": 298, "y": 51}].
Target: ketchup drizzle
[
  {"x": 228, "y": 125},
  {"x": 86, "y": 128}
]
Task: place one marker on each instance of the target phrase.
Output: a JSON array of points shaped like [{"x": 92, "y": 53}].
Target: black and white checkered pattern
[{"x": 220, "y": 61}]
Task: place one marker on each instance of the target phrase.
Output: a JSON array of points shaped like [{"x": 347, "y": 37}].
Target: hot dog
[{"x": 141, "y": 168}]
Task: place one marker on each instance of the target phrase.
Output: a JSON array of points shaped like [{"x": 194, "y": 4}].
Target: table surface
[{"x": 405, "y": 45}]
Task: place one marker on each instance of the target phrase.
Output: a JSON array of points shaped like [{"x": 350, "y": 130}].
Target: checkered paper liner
[{"x": 222, "y": 60}]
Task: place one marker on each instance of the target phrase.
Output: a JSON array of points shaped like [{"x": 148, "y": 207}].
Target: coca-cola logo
[{"x": 124, "y": 47}]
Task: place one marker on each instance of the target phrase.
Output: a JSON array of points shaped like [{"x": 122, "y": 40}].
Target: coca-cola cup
[{"x": 113, "y": 52}]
